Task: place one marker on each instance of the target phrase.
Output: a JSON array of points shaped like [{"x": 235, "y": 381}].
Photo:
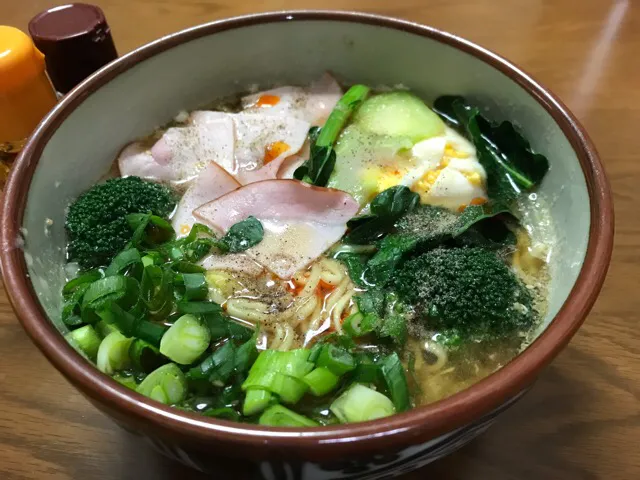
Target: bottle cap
[
  {"x": 76, "y": 41},
  {"x": 20, "y": 60}
]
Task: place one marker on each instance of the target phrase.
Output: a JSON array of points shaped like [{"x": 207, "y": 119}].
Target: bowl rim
[{"x": 419, "y": 424}]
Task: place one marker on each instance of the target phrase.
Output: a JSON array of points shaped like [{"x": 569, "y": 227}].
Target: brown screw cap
[{"x": 75, "y": 40}]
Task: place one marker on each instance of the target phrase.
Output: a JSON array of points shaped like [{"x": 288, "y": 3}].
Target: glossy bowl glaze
[{"x": 76, "y": 143}]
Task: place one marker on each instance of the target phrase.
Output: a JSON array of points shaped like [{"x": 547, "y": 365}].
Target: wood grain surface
[{"x": 582, "y": 419}]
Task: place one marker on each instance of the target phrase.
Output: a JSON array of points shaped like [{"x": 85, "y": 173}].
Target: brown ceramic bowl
[{"x": 78, "y": 140}]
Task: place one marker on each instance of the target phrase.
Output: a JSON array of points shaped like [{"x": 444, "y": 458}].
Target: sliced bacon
[{"x": 300, "y": 221}]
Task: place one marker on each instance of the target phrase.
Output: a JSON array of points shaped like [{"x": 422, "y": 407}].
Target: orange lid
[{"x": 20, "y": 60}]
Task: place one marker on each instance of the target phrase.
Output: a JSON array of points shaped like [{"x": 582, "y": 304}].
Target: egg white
[{"x": 443, "y": 170}]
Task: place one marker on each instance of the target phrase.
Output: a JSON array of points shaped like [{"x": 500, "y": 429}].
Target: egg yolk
[
  {"x": 451, "y": 152},
  {"x": 424, "y": 184},
  {"x": 267, "y": 101},
  {"x": 389, "y": 177},
  {"x": 274, "y": 150}
]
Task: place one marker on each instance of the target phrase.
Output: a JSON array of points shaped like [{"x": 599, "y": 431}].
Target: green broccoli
[
  {"x": 96, "y": 225},
  {"x": 469, "y": 291}
]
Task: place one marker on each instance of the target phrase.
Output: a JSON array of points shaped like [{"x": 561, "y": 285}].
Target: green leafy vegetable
[
  {"x": 101, "y": 294},
  {"x": 386, "y": 209},
  {"x": 71, "y": 309},
  {"x": 481, "y": 225},
  {"x": 392, "y": 251},
  {"x": 394, "y": 322},
  {"x": 383, "y": 315},
  {"x": 427, "y": 227},
  {"x": 241, "y": 236},
  {"x": 506, "y": 155},
  {"x": 356, "y": 265},
  {"x": 156, "y": 291},
  {"x": 322, "y": 159}
]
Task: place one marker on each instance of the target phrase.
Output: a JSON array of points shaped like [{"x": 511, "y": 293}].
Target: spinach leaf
[
  {"x": 386, "y": 209},
  {"x": 424, "y": 227},
  {"x": 322, "y": 159},
  {"x": 371, "y": 301},
  {"x": 506, "y": 155},
  {"x": 429, "y": 226},
  {"x": 319, "y": 167},
  {"x": 386, "y": 314},
  {"x": 484, "y": 225},
  {"x": 356, "y": 264},
  {"x": 392, "y": 250},
  {"x": 241, "y": 236}
]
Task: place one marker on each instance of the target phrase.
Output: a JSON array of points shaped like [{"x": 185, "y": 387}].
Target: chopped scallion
[
  {"x": 145, "y": 357},
  {"x": 396, "y": 382},
  {"x": 336, "y": 359},
  {"x": 85, "y": 339},
  {"x": 126, "y": 262},
  {"x": 113, "y": 353},
  {"x": 166, "y": 384},
  {"x": 194, "y": 286},
  {"x": 360, "y": 404},
  {"x": 279, "y": 416},
  {"x": 321, "y": 381},
  {"x": 256, "y": 401},
  {"x": 185, "y": 340}
]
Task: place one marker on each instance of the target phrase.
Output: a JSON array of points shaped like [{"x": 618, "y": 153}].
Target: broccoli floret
[
  {"x": 470, "y": 291},
  {"x": 96, "y": 222}
]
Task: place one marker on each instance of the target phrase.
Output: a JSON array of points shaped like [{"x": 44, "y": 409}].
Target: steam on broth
[{"x": 306, "y": 256}]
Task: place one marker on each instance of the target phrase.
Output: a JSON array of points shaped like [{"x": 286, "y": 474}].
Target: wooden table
[{"x": 581, "y": 421}]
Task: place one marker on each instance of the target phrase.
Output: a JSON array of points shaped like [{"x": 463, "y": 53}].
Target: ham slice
[
  {"x": 300, "y": 221},
  {"x": 312, "y": 104},
  {"x": 268, "y": 172},
  {"x": 182, "y": 152},
  {"x": 255, "y": 136},
  {"x": 233, "y": 262},
  {"x": 212, "y": 182},
  {"x": 136, "y": 159},
  {"x": 243, "y": 144}
]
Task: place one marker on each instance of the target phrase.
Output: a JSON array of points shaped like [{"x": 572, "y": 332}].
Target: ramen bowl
[{"x": 77, "y": 142}]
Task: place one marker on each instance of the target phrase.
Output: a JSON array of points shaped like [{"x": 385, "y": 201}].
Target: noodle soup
[{"x": 310, "y": 255}]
